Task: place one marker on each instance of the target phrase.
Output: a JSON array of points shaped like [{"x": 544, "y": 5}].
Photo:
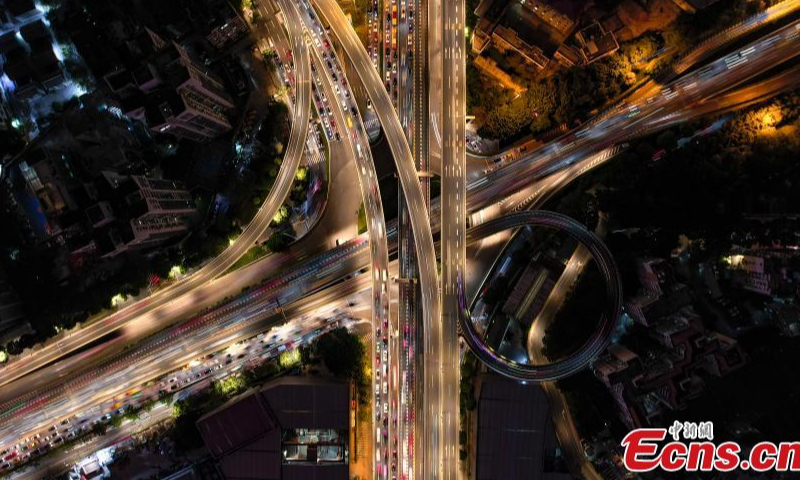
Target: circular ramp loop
[{"x": 595, "y": 345}]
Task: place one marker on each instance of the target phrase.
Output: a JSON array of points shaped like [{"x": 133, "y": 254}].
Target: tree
[
  {"x": 131, "y": 413},
  {"x": 230, "y": 386},
  {"x": 99, "y": 428},
  {"x": 116, "y": 421},
  {"x": 307, "y": 354},
  {"x": 279, "y": 241},
  {"x": 302, "y": 174},
  {"x": 342, "y": 352}
]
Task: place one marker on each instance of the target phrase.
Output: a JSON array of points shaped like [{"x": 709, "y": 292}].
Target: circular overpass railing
[{"x": 593, "y": 346}]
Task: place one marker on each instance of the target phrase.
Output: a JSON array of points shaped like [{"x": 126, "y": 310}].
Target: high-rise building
[
  {"x": 177, "y": 96},
  {"x": 141, "y": 212}
]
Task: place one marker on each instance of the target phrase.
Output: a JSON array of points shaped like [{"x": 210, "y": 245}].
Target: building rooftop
[
  {"x": 224, "y": 430},
  {"x": 8, "y": 42},
  {"x": 300, "y": 402},
  {"x": 516, "y": 439},
  {"x": 292, "y": 428},
  {"x": 20, "y": 7},
  {"x": 34, "y": 31}
]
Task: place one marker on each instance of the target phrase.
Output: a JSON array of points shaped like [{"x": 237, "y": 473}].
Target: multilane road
[
  {"x": 313, "y": 274},
  {"x": 436, "y": 368},
  {"x": 453, "y": 202},
  {"x": 19, "y": 367},
  {"x": 334, "y": 86},
  {"x": 749, "y": 61}
]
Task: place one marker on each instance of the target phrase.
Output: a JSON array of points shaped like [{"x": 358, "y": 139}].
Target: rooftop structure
[
  {"x": 534, "y": 29},
  {"x": 292, "y": 428},
  {"x": 692, "y": 6},
  {"x": 516, "y": 439},
  {"x": 774, "y": 273},
  {"x": 596, "y": 42},
  {"x": 17, "y": 12},
  {"x": 28, "y": 60},
  {"x": 665, "y": 368},
  {"x": 224, "y": 24}
]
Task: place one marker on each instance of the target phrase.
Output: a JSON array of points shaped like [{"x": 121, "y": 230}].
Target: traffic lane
[
  {"x": 313, "y": 274},
  {"x": 171, "y": 357},
  {"x": 406, "y": 169},
  {"x": 453, "y": 227},
  {"x": 358, "y": 146},
  {"x": 717, "y": 73}
]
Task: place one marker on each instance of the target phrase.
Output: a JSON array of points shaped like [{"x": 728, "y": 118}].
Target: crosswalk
[
  {"x": 314, "y": 155},
  {"x": 373, "y": 126}
]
